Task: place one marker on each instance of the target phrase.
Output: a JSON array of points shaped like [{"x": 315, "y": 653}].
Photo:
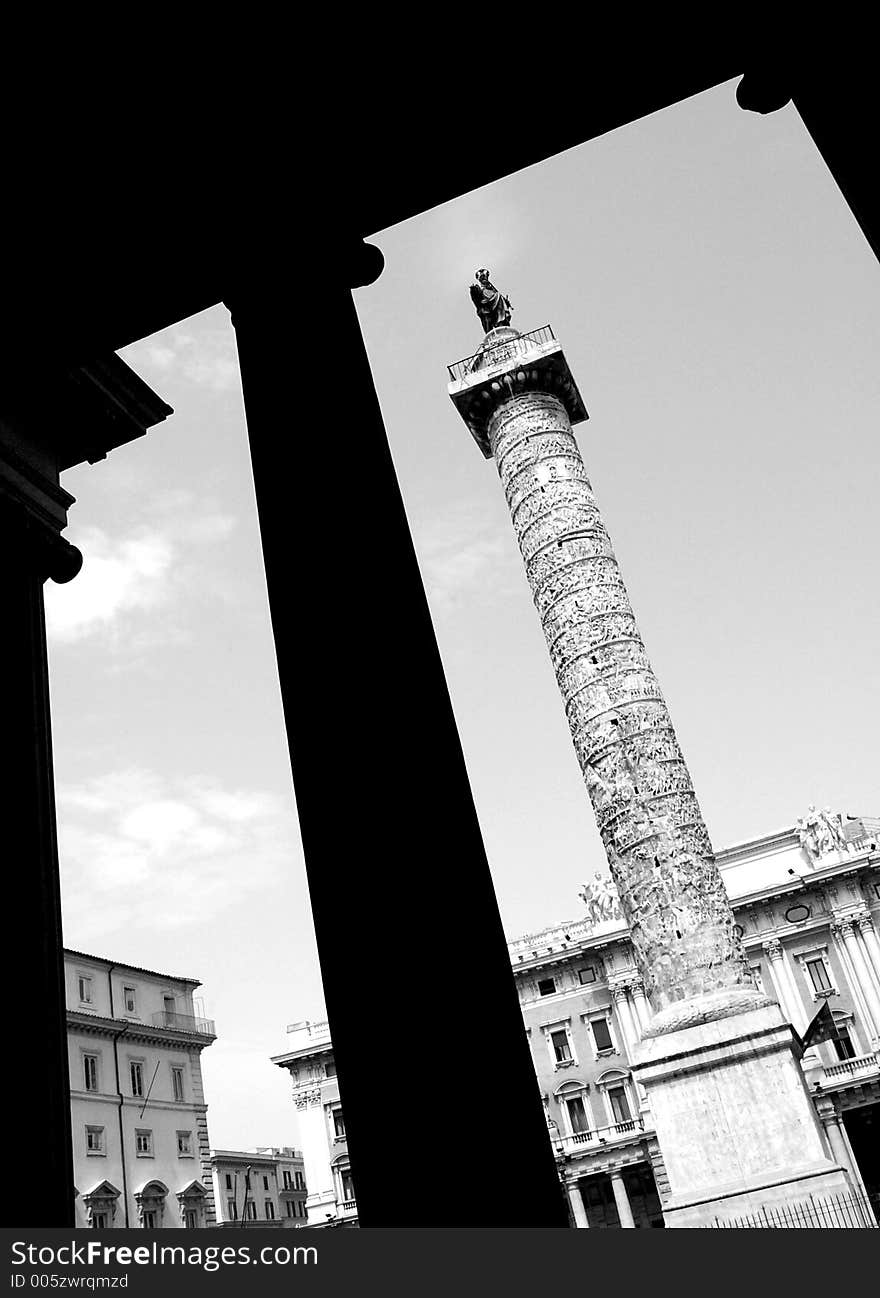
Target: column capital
[
  {"x": 621, "y": 988},
  {"x": 864, "y": 920},
  {"x": 842, "y": 925},
  {"x": 773, "y": 948}
]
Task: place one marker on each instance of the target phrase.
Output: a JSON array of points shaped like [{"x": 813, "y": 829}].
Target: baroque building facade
[
  {"x": 331, "y": 1199},
  {"x": 807, "y": 907},
  {"x": 264, "y": 1187},
  {"x": 139, "y": 1115}
]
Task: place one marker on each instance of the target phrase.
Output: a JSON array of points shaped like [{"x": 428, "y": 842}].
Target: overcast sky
[{"x": 720, "y": 311}]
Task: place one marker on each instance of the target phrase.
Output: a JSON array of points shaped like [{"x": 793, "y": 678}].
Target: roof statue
[
  {"x": 601, "y": 899},
  {"x": 492, "y": 307},
  {"x": 821, "y": 831}
]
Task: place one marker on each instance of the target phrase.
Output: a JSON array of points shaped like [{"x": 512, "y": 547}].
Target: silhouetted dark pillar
[
  {"x": 65, "y": 418},
  {"x": 419, "y": 990},
  {"x": 33, "y": 940}
]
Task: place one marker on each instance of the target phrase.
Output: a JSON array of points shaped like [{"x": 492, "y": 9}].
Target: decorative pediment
[
  {"x": 103, "y": 1190},
  {"x": 194, "y": 1190},
  {"x": 612, "y": 1075}
]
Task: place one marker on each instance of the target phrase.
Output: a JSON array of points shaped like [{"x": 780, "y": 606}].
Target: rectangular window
[
  {"x": 300, "y": 1181},
  {"x": 130, "y": 1000},
  {"x": 192, "y": 1218},
  {"x": 177, "y": 1083},
  {"x": 288, "y": 1184},
  {"x": 143, "y": 1143},
  {"x": 330, "y": 1069},
  {"x": 136, "y": 1074},
  {"x": 270, "y": 1210},
  {"x": 843, "y": 1046},
  {"x": 229, "y": 1180},
  {"x": 546, "y": 986},
  {"x": 619, "y": 1104},
  {"x": 561, "y": 1048},
  {"x": 347, "y": 1186},
  {"x": 288, "y": 1205},
  {"x": 818, "y": 975},
  {"x": 587, "y": 974},
  {"x": 95, "y": 1140},
  {"x": 265, "y": 1182},
  {"x": 168, "y": 1004},
  {"x": 251, "y": 1212},
  {"x": 85, "y": 990},
  {"x": 601, "y": 1034},
  {"x": 338, "y": 1123},
  {"x": 184, "y": 1144},
  {"x": 90, "y": 1072},
  {"x": 577, "y": 1114},
  {"x": 300, "y": 1209},
  {"x": 149, "y": 1220},
  {"x": 99, "y": 1221},
  {"x": 231, "y": 1210}
]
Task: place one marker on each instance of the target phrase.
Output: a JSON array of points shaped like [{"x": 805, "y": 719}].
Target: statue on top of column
[{"x": 493, "y": 307}]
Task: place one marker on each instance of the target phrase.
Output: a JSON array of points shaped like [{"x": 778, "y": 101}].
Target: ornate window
[
  {"x": 560, "y": 1044},
  {"x": 615, "y": 1087},
  {"x": 129, "y": 999},
  {"x": 546, "y": 986},
  {"x": 574, "y": 1104},
  {"x": 84, "y": 988},
  {"x": 817, "y": 973},
  {"x": 100, "y": 1205},
  {"x": 150, "y": 1201},
  {"x": 91, "y": 1075},
  {"x": 177, "y": 1082},
  {"x": 136, "y": 1076},
  {"x": 587, "y": 974},
  {"x": 602, "y": 1033},
  {"x": 191, "y": 1200}
]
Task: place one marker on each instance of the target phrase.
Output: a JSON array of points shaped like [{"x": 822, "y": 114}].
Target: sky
[{"x": 720, "y": 311}]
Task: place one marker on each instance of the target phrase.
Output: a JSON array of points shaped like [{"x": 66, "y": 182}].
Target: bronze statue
[{"x": 493, "y": 307}]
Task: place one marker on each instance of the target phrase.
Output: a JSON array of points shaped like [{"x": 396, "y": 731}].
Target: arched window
[
  {"x": 615, "y": 1087},
  {"x": 150, "y": 1200},
  {"x": 573, "y": 1101}
]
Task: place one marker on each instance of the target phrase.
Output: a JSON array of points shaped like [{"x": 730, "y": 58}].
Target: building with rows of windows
[
  {"x": 264, "y": 1187},
  {"x": 309, "y": 1060},
  {"x": 140, "y": 1127},
  {"x": 808, "y": 903}
]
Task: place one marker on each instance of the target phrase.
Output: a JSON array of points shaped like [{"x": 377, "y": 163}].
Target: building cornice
[{"x": 99, "y": 1025}]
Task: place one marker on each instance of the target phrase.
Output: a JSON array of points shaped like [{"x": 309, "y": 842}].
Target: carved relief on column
[{"x": 661, "y": 859}]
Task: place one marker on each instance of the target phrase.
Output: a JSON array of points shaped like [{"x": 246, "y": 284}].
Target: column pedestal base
[{"x": 734, "y": 1120}]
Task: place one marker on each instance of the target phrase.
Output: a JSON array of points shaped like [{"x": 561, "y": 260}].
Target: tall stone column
[
  {"x": 621, "y": 1198},
  {"x": 642, "y": 1008},
  {"x": 519, "y": 401},
  {"x": 845, "y": 938},
  {"x": 631, "y": 1030},
  {"x": 578, "y": 1211},
  {"x": 865, "y": 921}
]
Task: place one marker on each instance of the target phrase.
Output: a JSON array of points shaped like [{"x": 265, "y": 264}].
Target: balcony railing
[
  {"x": 853, "y": 1067},
  {"x": 349, "y": 1205},
  {"x": 501, "y": 353},
  {"x": 580, "y": 1142},
  {"x": 184, "y": 1023}
]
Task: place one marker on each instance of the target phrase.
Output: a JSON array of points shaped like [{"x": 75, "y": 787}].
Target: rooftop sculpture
[{"x": 492, "y": 307}]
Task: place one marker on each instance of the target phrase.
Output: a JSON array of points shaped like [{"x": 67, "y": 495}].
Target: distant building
[
  {"x": 809, "y": 910},
  {"x": 140, "y": 1127},
  {"x": 331, "y": 1196},
  {"x": 262, "y": 1187}
]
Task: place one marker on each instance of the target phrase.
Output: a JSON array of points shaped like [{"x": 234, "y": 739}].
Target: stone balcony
[
  {"x": 184, "y": 1023},
  {"x": 585, "y": 1142},
  {"x": 862, "y": 1068}
]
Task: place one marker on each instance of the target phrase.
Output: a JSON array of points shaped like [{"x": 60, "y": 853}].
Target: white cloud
[
  {"x": 139, "y": 850},
  {"x": 463, "y": 555},
  {"x": 209, "y": 360},
  {"x": 117, "y": 577}
]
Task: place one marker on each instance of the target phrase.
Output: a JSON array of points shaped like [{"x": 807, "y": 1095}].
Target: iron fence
[
  {"x": 855, "y": 1211},
  {"x": 504, "y": 350}
]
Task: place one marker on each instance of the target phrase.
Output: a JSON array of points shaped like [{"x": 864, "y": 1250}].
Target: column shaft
[
  {"x": 843, "y": 938},
  {"x": 621, "y": 1198},
  {"x": 578, "y": 1210},
  {"x": 859, "y": 959},
  {"x": 661, "y": 859}
]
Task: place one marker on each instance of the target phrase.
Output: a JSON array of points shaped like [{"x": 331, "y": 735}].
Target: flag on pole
[{"x": 821, "y": 1028}]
